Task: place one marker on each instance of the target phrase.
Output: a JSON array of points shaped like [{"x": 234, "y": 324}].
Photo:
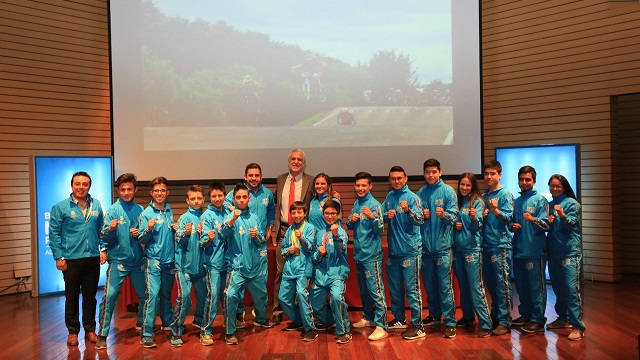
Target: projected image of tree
[{"x": 209, "y": 72}]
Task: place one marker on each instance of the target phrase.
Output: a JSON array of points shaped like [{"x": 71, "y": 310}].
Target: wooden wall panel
[
  {"x": 550, "y": 70},
  {"x": 54, "y": 100}
]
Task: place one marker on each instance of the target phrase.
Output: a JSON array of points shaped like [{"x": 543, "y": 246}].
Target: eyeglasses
[
  {"x": 331, "y": 213},
  {"x": 160, "y": 191},
  {"x": 556, "y": 187},
  {"x": 399, "y": 178}
]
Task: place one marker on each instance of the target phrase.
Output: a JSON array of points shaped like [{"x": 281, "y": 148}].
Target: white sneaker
[
  {"x": 378, "y": 334},
  {"x": 363, "y": 323},
  {"x": 576, "y": 334}
]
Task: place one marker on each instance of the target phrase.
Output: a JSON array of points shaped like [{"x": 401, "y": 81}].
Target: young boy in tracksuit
[
  {"x": 330, "y": 274},
  {"x": 440, "y": 212},
  {"x": 157, "y": 233},
  {"x": 297, "y": 249},
  {"x": 190, "y": 270},
  {"x": 262, "y": 204},
  {"x": 119, "y": 244},
  {"x": 246, "y": 263},
  {"x": 496, "y": 251},
  {"x": 367, "y": 222},
  {"x": 214, "y": 250},
  {"x": 467, "y": 251},
  {"x": 530, "y": 222},
  {"x": 403, "y": 213}
]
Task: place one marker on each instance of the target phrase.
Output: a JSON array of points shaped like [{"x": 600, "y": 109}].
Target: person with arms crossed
[
  {"x": 119, "y": 245},
  {"x": 157, "y": 234},
  {"x": 292, "y": 186},
  {"x": 496, "y": 243},
  {"x": 440, "y": 212},
  {"x": 367, "y": 222},
  {"x": 74, "y": 238},
  {"x": 403, "y": 213},
  {"x": 529, "y": 227}
]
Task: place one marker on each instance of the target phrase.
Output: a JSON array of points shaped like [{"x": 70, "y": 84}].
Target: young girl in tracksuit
[
  {"x": 297, "y": 249},
  {"x": 467, "y": 250},
  {"x": 322, "y": 191},
  {"x": 331, "y": 272},
  {"x": 565, "y": 255}
]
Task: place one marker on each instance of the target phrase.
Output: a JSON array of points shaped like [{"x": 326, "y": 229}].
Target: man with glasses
[
  {"x": 292, "y": 186},
  {"x": 157, "y": 233},
  {"x": 403, "y": 213}
]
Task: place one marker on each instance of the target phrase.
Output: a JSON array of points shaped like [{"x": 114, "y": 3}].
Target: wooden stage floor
[{"x": 33, "y": 328}]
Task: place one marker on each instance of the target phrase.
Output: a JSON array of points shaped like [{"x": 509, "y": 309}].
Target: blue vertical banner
[{"x": 53, "y": 184}]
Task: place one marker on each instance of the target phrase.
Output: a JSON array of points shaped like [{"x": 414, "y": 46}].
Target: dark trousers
[
  {"x": 82, "y": 275},
  {"x": 279, "y": 265}
]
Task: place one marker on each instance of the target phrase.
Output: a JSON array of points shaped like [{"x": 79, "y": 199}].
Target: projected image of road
[{"x": 354, "y": 127}]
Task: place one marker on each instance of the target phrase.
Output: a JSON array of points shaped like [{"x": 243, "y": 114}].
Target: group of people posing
[{"x": 221, "y": 249}]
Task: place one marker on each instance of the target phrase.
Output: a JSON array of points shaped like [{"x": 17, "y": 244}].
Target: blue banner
[{"x": 53, "y": 184}]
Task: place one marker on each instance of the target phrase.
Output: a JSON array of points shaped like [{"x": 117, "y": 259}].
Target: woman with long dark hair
[
  {"x": 467, "y": 260},
  {"x": 565, "y": 255}
]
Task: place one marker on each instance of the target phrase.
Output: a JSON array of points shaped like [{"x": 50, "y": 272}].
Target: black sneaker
[
  {"x": 429, "y": 321},
  {"x": 521, "y": 321},
  {"x": 470, "y": 323},
  {"x": 414, "y": 333},
  {"x": 276, "y": 318},
  {"x": 293, "y": 327},
  {"x": 322, "y": 327},
  {"x": 533, "y": 327},
  {"x": 397, "y": 324},
  {"x": 450, "y": 332},
  {"x": 344, "y": 338},
  {"x": 309, "y": 335},
  {"x": 231, "y": 339}
]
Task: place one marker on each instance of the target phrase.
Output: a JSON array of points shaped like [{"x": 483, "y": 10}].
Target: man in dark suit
[{"x": 302, "y": 186}]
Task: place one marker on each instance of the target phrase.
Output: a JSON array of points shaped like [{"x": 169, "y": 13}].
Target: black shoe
[
  {"x": 429, "y": 321},
  {"x": 293, "y": 327},
  {"x": 309, "y": 335},
  {"x": 414, "y": 333},
  {"x": 276, "y": 319},
  {"x": 533, "y": 327},
  {"x": 450, "y": 332},
  {"x": 322, "y": 327},
  {"x": 469, "y": 323},
  {"x": 397, "y": 324},
  {"x": 484, "y": 333},
  {"x": 521, "y": 321}
]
